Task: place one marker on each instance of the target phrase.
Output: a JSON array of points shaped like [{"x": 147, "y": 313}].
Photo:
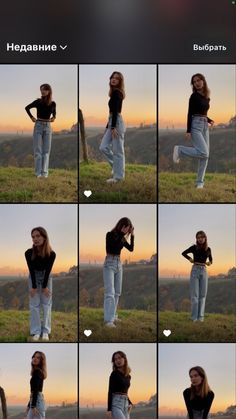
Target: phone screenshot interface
[{"x": 118, "y": 209}]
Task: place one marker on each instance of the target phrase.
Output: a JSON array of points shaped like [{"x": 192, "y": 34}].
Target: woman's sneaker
[
  {"x": 176, "y": 154},
  {"x": 45, "y": 336},
  {"x": 110, "y": 324},
  {"x": 36, "y": 337}
]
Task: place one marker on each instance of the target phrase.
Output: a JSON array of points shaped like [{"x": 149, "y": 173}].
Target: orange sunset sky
[
  {"x": 139, "y": 105},
  {"x": 61, "y": 383},
  {"x": 19, "y": 86}
]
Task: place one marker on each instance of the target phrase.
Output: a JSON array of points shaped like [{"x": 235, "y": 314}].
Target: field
[
  {"x": 14, "y": 326},
  {"x": 53, "y": 413},
  {"x": 135, "y": 326},
  {"x": 137, "y": 413},
  {"x": 139, "y": 184},
  {"x": 180, "y": 187},
  {"x": 21, "y": 185},
  {"x": 215, "y": 328}
]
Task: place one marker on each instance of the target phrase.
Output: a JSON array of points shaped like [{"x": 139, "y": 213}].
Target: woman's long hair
[
  {"x": 204, "y": 386},
  {"x": 45, "y": 249},
  {"x": 126, "y": 368},
  {"x": 42, "y": 367},
  {"x": 204, "y": 245},
  {"x": 47, "y": 99},
  {"x": 123, "y": 222},
  {"x": 121, "y": 85},
  {"x": 206, "y": 90}
]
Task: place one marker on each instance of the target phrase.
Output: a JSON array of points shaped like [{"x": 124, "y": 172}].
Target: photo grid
[{"x": 118, "y": 213}]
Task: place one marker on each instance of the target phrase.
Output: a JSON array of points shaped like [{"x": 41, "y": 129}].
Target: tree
[
  {"x": 83, "y": 138},
  {"x": 99, "y": 297},
  {"x": 84, "y": 298}
]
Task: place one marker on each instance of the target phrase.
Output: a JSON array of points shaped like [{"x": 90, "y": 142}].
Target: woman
[
  {"x": 112, "y": 145},
  {"x": 112, "y": 269},
  {"x": 40, "y": 259},
  {"x": 197, "y": 128},
  {"x": 198, "y": 398},
  {"x": 199, "y": 278},
  {"x": 46, "y": 113},
  {"x": 36, "y": 405},
  {"x": 119, "y": 405}
]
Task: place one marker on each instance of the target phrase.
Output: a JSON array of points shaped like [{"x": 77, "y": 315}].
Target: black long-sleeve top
[
  {"x": 198, "y": 403},
  {"x": 198, "y": 105},
  {"x": 44, "y": 111},
  {"x": 200, "y": 255},
  {"x": 115, "y": 106},
  {"x": 116, "y": 241},
  {"x": 39, "y": 264},
  {"x": 36, "y": 386},
  {"x": 118, "y": 383}
]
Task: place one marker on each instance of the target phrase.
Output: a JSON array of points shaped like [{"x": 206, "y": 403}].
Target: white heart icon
[
  {"x": 87, "y": 333},
  {"x": 167, "y": 333},
  {"x": 87, "y": 193}
]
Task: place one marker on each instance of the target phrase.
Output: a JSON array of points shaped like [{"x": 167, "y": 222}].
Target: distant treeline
[
  {"x": 18, "y": 152},
  {"x": 222, "y": 151},
  {"x": 140, "y": 146},
  {"x": 14, "y": 295},
  {"x": 221, "y": 296},
  {"x": 138, "y": 290}
]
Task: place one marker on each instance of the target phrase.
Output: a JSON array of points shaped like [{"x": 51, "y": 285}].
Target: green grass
[
  {"x": 135, "y": 326},
  {"x": 180, "y": 187},
  {"x": 139, "y": 184},
  {"x": 215, "y": 328},
  {"x": 14, "y": 326},
  {"x": 21, "y": 185}
]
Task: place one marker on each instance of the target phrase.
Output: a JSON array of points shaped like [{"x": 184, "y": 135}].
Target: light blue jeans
[
  {"x": 198, "y": 291},
  {"x": 113, "y": 148},
  {"x": 197, "y": 414},
  {"x": 120, "y": 406},
  {"x": 42, "y": 139},
  {"x": 36, "y": 303},
  {"x": 201, "y": 146},
  {"x": 112, "y": 277},
  {"x": 40, "y": 406}
]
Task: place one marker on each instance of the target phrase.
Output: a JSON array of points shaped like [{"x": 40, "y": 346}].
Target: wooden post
[
  {"x": 4, "y": 403},
  {"x": 82, "y": 135}
]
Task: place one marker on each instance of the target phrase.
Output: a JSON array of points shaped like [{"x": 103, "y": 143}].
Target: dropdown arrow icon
[{"x": 63, "y": 47}]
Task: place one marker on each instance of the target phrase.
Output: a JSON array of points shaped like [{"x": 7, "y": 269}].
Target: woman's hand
[
  {"x": 212, "y": 124},
  {"x": 130, "y": 408},
  {"x": 33, "y": 291},
  {"x": 191, "y": 260},
  {"x": 131, "y": 230},
  {"x": 109, "y": 414},
  {"x": 114, "y": 133},
  {"x": 52, "y": 119},
  {"x": 33, "y": 119},
  {"x": 125, "y": 230},
  {"x": 208, "y": 263},
  {"x": 46, "y": 292},
  {"x": 188, "y": 136}
]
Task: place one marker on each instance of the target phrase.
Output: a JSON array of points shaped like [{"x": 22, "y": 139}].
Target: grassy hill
[
  {"x": 221, "y": 296},
  {"x": 140, "y": 145},
  {"x": 14, "y": 294},
  {"x": 222, "y": 151},
  {"x": 17, "y": 150},
  {"x": 135, "y": 326},
  {"x": 14, "y": 326},
  {"x": 137, "y": 413},
  {"x": 180, "y": 187},
  {"x": 139, "y": 184},
  {"x": 215, "y": 328},
  {"x": 21, "y": 185},
  {"x": 138, "y": 289}
]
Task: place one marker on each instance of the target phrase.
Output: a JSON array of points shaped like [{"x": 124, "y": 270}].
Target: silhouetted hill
[
  {"x": 221, "y": 296},
  {"x": 14, "y": 295},
  {"x": 18, "y": 151},
  {"x": 140, "y": 146},
  {"x": 138, "y": 290},
  {"x": 222, "y": 151}
]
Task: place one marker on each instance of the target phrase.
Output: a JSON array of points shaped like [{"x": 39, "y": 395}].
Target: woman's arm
[
  {"x": 36, "y": 386},
  {"x": 28, "y": 255},
  {"x": 30, "y": 106},
  {"x": 186, "y": 395},
  {"x": 116, "y": 101},
  {"x": 49, "y": 265},
  {"x": 209, "y": 401},
  {"x": 129, "y": 246},
  {"x": 110, "y": 391},
  {"x": 185, "y": 253},
  {"x": 190, "y": 113}
]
